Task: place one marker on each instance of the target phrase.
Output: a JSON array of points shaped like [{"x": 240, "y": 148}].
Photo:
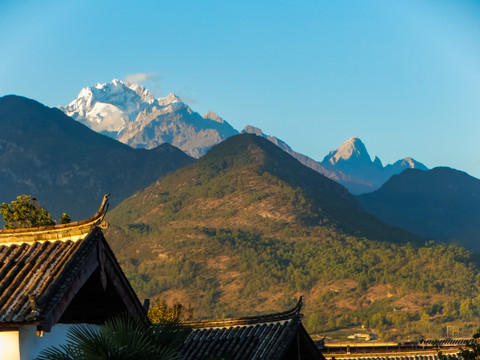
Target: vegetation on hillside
[
  {"x": 246, "y": 229},
  {"x": 161, "y": 312}
]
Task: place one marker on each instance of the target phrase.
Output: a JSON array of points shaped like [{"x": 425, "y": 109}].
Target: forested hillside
[{"x": 247, "y": 228}]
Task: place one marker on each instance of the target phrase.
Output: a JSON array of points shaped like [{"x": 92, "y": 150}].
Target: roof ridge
[
  {"x": 57, "y": 232},
  {"x": 250, "y": 320}
]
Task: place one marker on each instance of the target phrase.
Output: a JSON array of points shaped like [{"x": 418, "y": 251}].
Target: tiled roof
[
  {"x": 422, "y": 350},
  {"x": 27, "y": 272},
  {"x": 260, "y": 337},
  {"x": 417, "y": 356},
  {"x": 444, "y": 342},
  {"x": 72, "y": 231},
  {"x": 41, "y": 269}
]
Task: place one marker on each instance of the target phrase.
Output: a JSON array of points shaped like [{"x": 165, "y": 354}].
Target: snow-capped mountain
[
  {"x": 108, "y": 108},
  {"x": 131, "y": 114},
  {"x": 353, "y": 159}
]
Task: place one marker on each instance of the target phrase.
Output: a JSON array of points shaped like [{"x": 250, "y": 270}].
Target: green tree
[
  {"x": 161, "y": 312},
  {"x": 65, "y": 219},
  {"x": 120, "y": 338},
  {"x": 25, "y": 212}
]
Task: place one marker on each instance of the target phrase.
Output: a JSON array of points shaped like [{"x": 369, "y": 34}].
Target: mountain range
[
  {"x": 247, "y": 227},
  {"x": 353, "y": 159},
  {"x": 63, "y": 160},
  {"x": 131, "y": 114},
  {"x": 349, "y": 165},
  {"x": 67, "y": 166}
]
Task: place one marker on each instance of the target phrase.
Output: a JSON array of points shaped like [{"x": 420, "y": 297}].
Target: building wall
[
  {"x": 9, "y": 348},
  {"x": 31, "y": 345}
]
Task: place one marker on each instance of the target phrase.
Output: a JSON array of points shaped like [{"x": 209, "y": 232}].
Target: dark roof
[
  {"x": 260, "y": 337},
  {"x": 417, "y": 356},
  {"x": 444, "y": 342},
  {"x": 43, "y": 269},
  {"x": 422, "y": 350}
]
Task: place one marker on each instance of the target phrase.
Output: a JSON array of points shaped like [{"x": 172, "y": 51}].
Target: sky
[{"x": 403, "y": 75}]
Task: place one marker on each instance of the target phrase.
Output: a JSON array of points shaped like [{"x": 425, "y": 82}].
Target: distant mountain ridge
[
  {"x": 441, "y": 204},
  {"x": 67, "y": 166},
  {"x": 349, "y": 165},
  {"x": 352, "y": 158},
  {"x": 131, "y": 114}
]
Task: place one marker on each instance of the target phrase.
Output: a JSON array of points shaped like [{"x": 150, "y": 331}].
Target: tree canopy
[
  {"x": 25, "y": 212},
  {"x": 161, "y": 312}
]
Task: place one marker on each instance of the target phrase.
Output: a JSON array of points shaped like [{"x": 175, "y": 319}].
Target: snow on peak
[
  {"x": 353, "y": 148},
  {"x": 110, "y": 107},
  {"x": 213, "y": 116},
  {"x": 410, "y": 163},
  {"x": 169, "y": 99}
]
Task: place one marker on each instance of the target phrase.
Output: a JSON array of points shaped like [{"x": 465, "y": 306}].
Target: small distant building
[
  {"x": 279, "y": 336},
  {"x": 53, "y": 277},
  {"x": 422, "y": 350}
]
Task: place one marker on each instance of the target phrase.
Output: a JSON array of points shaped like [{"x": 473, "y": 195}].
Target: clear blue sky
[{"x": 402, "y": 75}]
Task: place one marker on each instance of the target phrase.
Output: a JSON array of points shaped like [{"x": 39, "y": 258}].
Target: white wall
[
  {"x": 9, "y": 348},
  {"x": 31, "y": 345}
]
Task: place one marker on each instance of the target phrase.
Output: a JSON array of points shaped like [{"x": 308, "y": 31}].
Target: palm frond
[{"x": 121, "y": 338}]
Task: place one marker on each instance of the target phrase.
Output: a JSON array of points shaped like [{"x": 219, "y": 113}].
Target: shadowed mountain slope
[
  {"x": 441, "y": 204},
  {"x": 67, "y": 166},
  {"x": 246, "y": 228}
]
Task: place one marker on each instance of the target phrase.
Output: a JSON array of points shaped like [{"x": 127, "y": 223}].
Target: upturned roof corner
[{"x": 71, "y": 231}]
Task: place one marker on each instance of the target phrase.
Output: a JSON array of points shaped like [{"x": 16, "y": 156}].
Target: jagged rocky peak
[
  {"x": 131, "y": 114},
  {"x": 352, "y": 149},
  {"x": 377, "y": 162},
  {"x": 213, "y": 116},
  {"x": 249, "y": 129},
  {"x": 169, "y": 99},
  {"x": 408, "y": 163},
  {"x": 118, "y": 90},
  {"x": 110, "y": 107}
]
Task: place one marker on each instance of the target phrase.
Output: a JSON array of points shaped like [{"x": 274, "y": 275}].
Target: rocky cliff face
[{"x": 131, "y": 114}]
